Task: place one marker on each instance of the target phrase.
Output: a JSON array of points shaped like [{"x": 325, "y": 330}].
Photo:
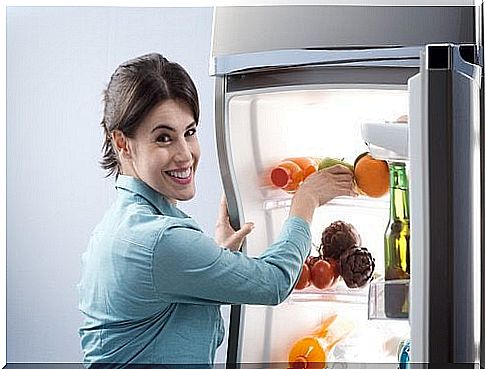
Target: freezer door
[{"x": 445, "y": 212}]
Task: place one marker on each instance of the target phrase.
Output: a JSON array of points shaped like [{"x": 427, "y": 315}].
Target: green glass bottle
[{"x": 397, "y": 248}]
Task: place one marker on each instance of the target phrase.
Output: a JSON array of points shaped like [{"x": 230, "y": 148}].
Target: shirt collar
[{"x": 160, "y": 202}]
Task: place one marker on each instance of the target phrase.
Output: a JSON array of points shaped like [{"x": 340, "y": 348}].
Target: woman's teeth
[{"x": 182, "y": 174}]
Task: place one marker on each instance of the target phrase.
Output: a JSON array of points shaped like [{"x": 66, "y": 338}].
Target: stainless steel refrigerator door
[
  {"x": 445, "y": 211},
  {"x": 445, "y": 201}
]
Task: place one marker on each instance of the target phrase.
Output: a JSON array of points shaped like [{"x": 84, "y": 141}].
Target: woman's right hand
[{"x": 321, "y": 187}]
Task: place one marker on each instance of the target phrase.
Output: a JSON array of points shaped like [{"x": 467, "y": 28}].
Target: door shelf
[
  {"x": 396, "y": 292},
  {"x": 372, "y": 295},
  {"x": 340, "y": 293},
  {"x": 360, "y": 202}
]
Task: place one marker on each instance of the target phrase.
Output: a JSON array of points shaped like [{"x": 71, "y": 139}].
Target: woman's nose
[{"x": 183, "y": 152}]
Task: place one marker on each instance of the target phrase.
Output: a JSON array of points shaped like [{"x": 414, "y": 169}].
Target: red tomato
[
  {"x": 322, "y": 274},
  {"x": 304, "y": 280},
  {"x": 336, "y": 274},
  {"x": 312, "y": 260},
  {"x": 334, "y": 264}
]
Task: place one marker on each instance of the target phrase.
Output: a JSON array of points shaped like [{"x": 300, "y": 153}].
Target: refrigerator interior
[{"x": 266, "y": 126}]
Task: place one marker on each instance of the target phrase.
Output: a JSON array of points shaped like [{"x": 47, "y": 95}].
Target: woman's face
[{"x": 165, "y": 150}]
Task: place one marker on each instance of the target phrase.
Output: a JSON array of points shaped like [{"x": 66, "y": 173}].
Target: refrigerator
[{"x": 329, "y": 81}]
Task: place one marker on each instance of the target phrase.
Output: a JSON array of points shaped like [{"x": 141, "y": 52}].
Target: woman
[{"x": 152, "y": 282}]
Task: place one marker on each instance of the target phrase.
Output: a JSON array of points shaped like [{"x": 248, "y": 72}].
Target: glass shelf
[
  {"x": 339, "y": 293},
  {"x": 357, "y": 202},
  {"x": 388, "y": 299}
]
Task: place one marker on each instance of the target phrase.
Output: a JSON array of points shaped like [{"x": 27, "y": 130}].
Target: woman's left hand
[{"x": 225, "y": 235}]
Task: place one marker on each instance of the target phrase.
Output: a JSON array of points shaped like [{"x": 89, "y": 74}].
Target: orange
[{"x": 371, "y": 175}]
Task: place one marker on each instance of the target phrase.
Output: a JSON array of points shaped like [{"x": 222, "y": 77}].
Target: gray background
[{"x": 59, "y": 60}]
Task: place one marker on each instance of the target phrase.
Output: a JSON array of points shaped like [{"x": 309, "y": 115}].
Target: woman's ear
[{"x": 121, "y": 144}]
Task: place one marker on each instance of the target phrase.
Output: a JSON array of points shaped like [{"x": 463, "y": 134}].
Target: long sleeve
[
  {"x": 152, "y": 282},
  {"x": 190, "y": 267}
]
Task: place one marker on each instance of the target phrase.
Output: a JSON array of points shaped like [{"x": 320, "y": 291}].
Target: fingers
[
  {"x": 353, "y": 190},
  {"x": 243, "y": 232},
  {"x": 347, "y": 190},
  {"x": 337, "y": 171},
  {"x": 337, "y": 174},
  {"x": 343, "y": 176},
  {"x": 338, "y": 168},
  {"x": 234, "y": 242},
  {"x": 246, "y": 229},
  {"x": 329, "y": 183},
  {"x": 339, "y": 180},
  {"x": 223, "y": 212}
]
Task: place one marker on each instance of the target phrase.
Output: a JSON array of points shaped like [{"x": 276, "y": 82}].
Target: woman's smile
[{"x": 182, "y": 176}]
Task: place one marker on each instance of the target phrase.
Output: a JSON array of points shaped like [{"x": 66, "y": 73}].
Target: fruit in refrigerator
[
  {"x": 328, "y": 162},
  {"x": 338, "y": 237},
  {"x": 305, "y": 277},
  {"x": 336, "y": 274},
  {"x": 371, "y": 175},
  {"x": 356, "y": 266},
  {"x": 312, "y": 260},
  {"x": 322, "y": 274}
]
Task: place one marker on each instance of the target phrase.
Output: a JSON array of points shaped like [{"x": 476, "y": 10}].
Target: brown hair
[{"x": 136, "y": 87}]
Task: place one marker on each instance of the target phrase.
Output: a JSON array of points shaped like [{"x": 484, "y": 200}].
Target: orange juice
[
  {"x": 291, "y": 172},
  {"x": 287, "y": 175},
  {"x": 307, "y": 352},
  {"x": 312, "y": 351},
  {"x": 308, "y": 165}
]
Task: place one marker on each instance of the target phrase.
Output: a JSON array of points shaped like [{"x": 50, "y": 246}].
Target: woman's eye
[
  {"x": 190, "y": 132},
  {"x": 163, "y": 138}
]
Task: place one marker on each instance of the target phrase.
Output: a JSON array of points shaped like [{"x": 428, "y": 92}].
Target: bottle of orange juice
[
  {"x": 312, "y": 352},
  {"x": 292, "y": 171}
]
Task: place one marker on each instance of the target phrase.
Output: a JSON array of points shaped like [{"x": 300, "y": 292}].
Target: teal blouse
[{"x": 152, "y": 282}]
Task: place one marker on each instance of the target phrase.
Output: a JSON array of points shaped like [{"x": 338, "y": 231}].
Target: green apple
[{"x": 328, "y": 162}]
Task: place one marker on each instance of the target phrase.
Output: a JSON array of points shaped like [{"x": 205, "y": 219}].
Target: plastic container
[
  {"x": 313, "y": 351},
  {"x": 289, "y": 174},
  {"x": 403, "y": 354}
]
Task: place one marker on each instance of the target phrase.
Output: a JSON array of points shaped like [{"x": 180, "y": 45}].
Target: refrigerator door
[
  {"x": 290, "y": 109},
  {"x": 445, "y": 211}
]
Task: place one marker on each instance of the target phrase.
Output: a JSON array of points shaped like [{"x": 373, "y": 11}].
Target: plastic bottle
[
  {"x": 289, "y": 173},
  {"x": 312, "y": 352},
  {"x": 403, "y": 354}
]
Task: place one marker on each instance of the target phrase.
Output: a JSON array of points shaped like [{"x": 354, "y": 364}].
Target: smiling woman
[
  {"x": 164, "y": 151},
  {"x": 150, "y": 125},
  {"x": 135, "y": 89},
  {"x": 152, "y": 282}
]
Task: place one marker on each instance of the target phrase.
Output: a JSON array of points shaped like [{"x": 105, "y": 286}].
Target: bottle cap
[
  {"x": 280, "y": 176},
  {"x": 300, "y": 363}
]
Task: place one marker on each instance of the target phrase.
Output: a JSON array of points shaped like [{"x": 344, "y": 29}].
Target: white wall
[{"x": 59, "y": 60}]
